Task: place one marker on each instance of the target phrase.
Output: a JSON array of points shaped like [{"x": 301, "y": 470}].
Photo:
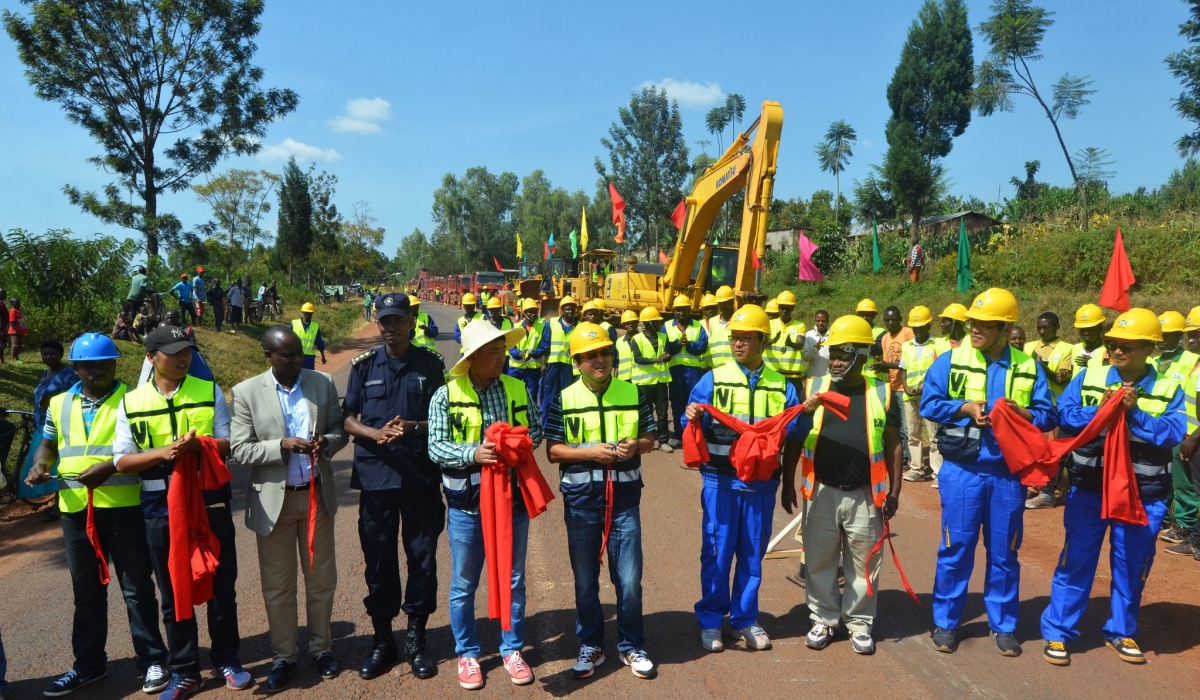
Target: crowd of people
[
  {"x": 198, "y": 296},
  {"x": 831, "y": 421}
]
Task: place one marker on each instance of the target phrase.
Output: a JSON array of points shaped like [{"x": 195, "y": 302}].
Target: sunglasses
[
  {"x": 1125, "y": 348},
  {"x": 594, "y": 355}
]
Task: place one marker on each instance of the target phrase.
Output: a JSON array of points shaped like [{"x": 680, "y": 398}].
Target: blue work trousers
[
  {"x": 1131, "y": 553},
  {"x": 585, "y": 532},
  {"x": 973, "y": 498},
  {"x": 558, "y": 376},
  {"x": 532, "y": 378},
  {"x": 683, "y": 378},
  {"x": 735, "y": 522},
  {"x": 310, "y": 362},
  {"x": 466, "y": 560}
]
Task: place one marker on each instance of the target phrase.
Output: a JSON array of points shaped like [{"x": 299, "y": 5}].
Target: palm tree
[
  {"x": 735, "y": 107},
  {"x": 715, "y": 121},
  {"x": 833, "y": 155}
]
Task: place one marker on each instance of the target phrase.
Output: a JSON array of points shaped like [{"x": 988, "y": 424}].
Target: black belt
[
  {"x": 302, "y": 487},
  {"x": 839, "y": 487}
]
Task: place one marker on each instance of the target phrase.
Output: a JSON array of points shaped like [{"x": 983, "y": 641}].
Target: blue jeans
[
  {"x": 737, "y": 522},
  {"x": 1131, "y": 553},
  {"x": 466, "y": 560},
  {"x": 585, "y": 532}
]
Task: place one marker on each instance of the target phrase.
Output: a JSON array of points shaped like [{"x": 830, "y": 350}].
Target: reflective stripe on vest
[
  {"x": 718, "y": 342},
  {"x": 917, "y": 361},
  {"x": 789, "y": 361},
  {"x": 308, "y": 337},
  {"x": 879, "y": 399},
  {"x": 529, "y": 343},
  {"x": 968, "y": 375},
  {"x": 560, "y": 351},
  {"x": 1189, "y": 399},
  {"x": 466, "y": 418},
  {"x": 79, "y": 449},
  {"x": 732, "y": 395},
  {"x": 156, "y": 421},
  {"x": 1149, "y": 460},
  {"x": 419, "y": 338},
  {"x": 684, "y": 358},
  {"x": 589, "y": 420},
  {"x": 624, "y": 359},
  {"x": 656, "y": 373}
]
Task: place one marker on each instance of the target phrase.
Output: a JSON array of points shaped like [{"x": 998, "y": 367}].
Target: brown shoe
[
  {"x": 1174, "y": 534},
  {"x": 1185, "y": 548}
]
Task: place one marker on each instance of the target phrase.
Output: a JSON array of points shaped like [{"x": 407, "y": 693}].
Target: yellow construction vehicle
[
  {"x": 581, "y": 278},
  {"x": 699, "y": 267}
]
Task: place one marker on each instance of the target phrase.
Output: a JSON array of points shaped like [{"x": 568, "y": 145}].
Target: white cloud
[
  {"x": 689, "y": 94},
  {"x": 363, "y": 117},
  {"x": 302, "y": 151}
]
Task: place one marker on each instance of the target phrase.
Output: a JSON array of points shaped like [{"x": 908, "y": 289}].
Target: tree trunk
[
  {"x": 149, "y": 220},
  {"x": 837, "y": 198},
  {"x": 1066, "y": 154},
  {"x": 915, "y": 228}
]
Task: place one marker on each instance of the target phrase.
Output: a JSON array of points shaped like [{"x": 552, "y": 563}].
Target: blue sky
[{"x": 394, "y": 95}]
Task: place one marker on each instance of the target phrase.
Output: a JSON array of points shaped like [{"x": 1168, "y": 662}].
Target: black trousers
[
  {"x": 183, "y": 635},
  {"x": 123, "y": 537},
  {"x": 187, "y": 311},
  {"x": 218, "y": 309},
  {"x": 657, "y": 395},
  {"x": 416, "y": 516},
  {"x": 1194, "y": 465}
]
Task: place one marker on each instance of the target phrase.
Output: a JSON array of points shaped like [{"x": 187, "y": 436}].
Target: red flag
[
  {"x": 620, "y": 238},
  {"x": 498, "y": 265},
  {"x": 618, "y": 205},
  {"x": 679, "y": 216},
  {"x": 546, "y": 248},
  {"x": 1115, "y": 293},
  {"x": 663, "y": 257},
  {"x": 754, "y": 259}
]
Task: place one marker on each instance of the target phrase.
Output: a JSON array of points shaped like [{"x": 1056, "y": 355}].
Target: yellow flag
[
  {"x": 583, "y": 232},
  {"x": 518, "y": 246}
]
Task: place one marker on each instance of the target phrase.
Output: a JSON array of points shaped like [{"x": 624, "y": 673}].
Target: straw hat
[{"x": 479, "y": 333}]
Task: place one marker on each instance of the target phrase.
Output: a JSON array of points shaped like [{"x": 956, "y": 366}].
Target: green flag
[
  {"x": 574, "y": 238},
  {"x": 876, "y": 259},
  {"x": 964, "y": 257}
]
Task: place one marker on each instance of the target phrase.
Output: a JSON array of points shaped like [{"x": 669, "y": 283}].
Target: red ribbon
[
  {"x": 887, "y": 535},
  {"x": 312, "y": 506},
  {"x": 194, "y": 550},
  {"x": 755, "y": 453},
  {"x": 94, "y": 537}
]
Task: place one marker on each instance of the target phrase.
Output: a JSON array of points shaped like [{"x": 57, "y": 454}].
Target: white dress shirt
[
  {"x": 296, "y": 422},
  {"x": 123, "y": 443}
]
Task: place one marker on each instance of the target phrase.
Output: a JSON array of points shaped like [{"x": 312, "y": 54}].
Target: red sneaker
[
  {"x": 470, "y": 676},
  {"x": 518, "y": 670}
]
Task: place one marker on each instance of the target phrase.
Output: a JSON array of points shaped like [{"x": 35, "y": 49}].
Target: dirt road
[{"x": 35, "y": 605}]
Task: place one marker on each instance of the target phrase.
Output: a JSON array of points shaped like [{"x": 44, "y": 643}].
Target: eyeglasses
[
  {"x": 987, "y": 325},
  {"x": 741, "y": 340},
  {"x": 1126, "y": 348},
  {"x": 594, "y": 355}
]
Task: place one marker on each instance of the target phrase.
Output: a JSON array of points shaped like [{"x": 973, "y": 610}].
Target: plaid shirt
[
  {"x": 494, "y": 405},
  {"x": 916, "y": 256}
]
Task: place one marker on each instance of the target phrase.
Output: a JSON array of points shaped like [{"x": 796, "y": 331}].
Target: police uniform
[{"x": 397, "y": 481}]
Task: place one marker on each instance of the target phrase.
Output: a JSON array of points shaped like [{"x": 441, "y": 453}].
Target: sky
[{"x": 395, "y": 95}]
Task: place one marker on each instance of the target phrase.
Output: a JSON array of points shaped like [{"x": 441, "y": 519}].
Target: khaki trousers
[
  {"x": 277, "y": 565},
  {"x": 841, "y": 526},
  {"x": 914, "y": 422}
]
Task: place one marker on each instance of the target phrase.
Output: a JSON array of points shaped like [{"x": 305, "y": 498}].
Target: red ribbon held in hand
[{"x": 94, "y": 537}]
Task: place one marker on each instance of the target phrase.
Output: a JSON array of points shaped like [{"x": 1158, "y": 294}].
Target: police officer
[
  {"x": 387, "y": 406},
  {"x": 79, "y": 432},
  {"x": 425, "y": 330}
]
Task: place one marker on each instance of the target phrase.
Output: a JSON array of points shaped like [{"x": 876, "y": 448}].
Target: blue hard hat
[{"x": 93, "y": 347}]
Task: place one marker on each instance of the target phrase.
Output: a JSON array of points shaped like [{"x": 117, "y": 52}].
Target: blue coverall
[
  {"x": 559, "y": 375},
  {"x": 981, "y": 494},
  {"x": 683, "y": 378},
  {"x": 532, "y": 376},
  {"x": 736, "y": 521},
  {"x": 1132, "y": 547}
]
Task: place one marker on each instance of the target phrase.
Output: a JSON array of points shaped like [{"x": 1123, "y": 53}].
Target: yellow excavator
[{"x": 698, "y": 267}]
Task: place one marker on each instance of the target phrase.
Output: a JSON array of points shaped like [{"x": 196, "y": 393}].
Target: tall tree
[
  {"x": 648, "y": 162},
  {"x": 833, "y": 155},
  {"x": 715, "y": 121},
  {"x": 930, "y": 96},
  {"x": 1185, "y": 65},
  {"x": 133, "y": 71},
  {"x": 1015, "y": 32},
  {"x": 1094, "y": 166},
  {"x": 473, "y": 217},
  {"x": 239, "y": 199},
  {"x": 294, "y": 230},
  {"x": 326, "y": 222},
  {"x": 359, "y": 240},
  {"x": 735, "y": 108}
]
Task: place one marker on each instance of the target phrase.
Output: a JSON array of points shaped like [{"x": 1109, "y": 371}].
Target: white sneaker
[
  {"x": 862, "y": 643},
  {"x": 711, "y": 639},
  {"x": 664, "y": 447},
  {"x": 639, "y": 663},
  {"x": 754, "y": 636},
  {"x": 819, "y": 636},
  {"x": 156, "y": 679},
  {"x": 587, "y": 661}
]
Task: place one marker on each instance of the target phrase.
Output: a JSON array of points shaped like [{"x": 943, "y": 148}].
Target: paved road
[{"x": 35, "y": 604}]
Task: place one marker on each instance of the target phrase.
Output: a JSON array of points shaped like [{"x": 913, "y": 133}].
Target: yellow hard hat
[
  {"x": 956, "y": 311},
  {"x": 1171, "y": 322},
  {"x": 600, "y": 303},
  {"x": 1089, "y": 315},
  {"x": 786, "y": 298},
  {"x": 851, "y": 329},
  {"x": 587, "y": 337},
  {"x": 649, "y": 314},
  {"x": 866, "y": 305},
  {"x": 495, "y": 303},
  {"x": 919, "y": 316},
  {"x": 528, "y": 304},
  {"x": 773, "y": 306},
  {"x": 591, "y": 306},
  {"x": 724, "y": 293},
  {"x": 1136, "y": 324},
  {"x": 995, "y": 304},
  {"x": 708, "y": 300},
  {"x": 413, "y": 301},
  {"x": 750, "y": 317},
  {"x": 567, "y": 300},
  {"x": 469, "y": 298},
  {"x": 681, "y": 302},
  {"x": 1192, "y": 322},
  {"x": 308, "y": 308},
  {"x": 630, "y": 316}
]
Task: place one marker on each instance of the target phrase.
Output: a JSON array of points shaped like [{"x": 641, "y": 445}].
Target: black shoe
[
  {"x": 1006, "y": 643},
  {"x": 945, "y": 641},
  {"x": 423, "y": 667},
  {"x": 281, "y": 673},
  {"x": 383, "y": 655},
  {"x": 327, "y": 665},
  {"x": 70, "y": 682}
]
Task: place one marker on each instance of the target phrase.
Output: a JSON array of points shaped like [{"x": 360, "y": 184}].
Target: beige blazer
[{"x": 257, "y": 429}]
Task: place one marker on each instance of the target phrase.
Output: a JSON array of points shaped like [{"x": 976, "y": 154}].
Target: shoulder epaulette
[{"x": 366, "y": 355}]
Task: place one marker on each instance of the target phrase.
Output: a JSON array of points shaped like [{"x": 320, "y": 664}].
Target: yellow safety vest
[
  {"x": 80, "y": 449},
  {"x": 732, "y": 395},
  {"x": 968, "y": 382},
  {"x": 787, "y": 360},
  {"x": 529, "y": 343},
  {"x": 1061, "y": 349},
  {"x": 1099, "y": 358},
  {"x": 879, "y": 399},
  {"x": 560, "y": 350},
  {"x": 419, "y": 338},
  {"x": 1148, "y": 460},
  {"x": 308, "y": 336},
  {"x": 156, "y": 421},
  {"x": 466, "y": 411},
  {"x": 624, "y": 359},
  {"x": 917, "y": 361},
  {"x": 718, "y": 342},
  {"x": 655, "y": 373},
  {"x": 684, "y": 358},
  {"x": 588, "y": 421}
]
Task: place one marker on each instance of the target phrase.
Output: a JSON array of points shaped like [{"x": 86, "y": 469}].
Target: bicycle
[{"x": 8, "y": 433}]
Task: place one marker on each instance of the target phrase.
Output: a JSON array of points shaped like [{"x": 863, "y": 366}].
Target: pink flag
[{"x": 808, "y": 271}]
